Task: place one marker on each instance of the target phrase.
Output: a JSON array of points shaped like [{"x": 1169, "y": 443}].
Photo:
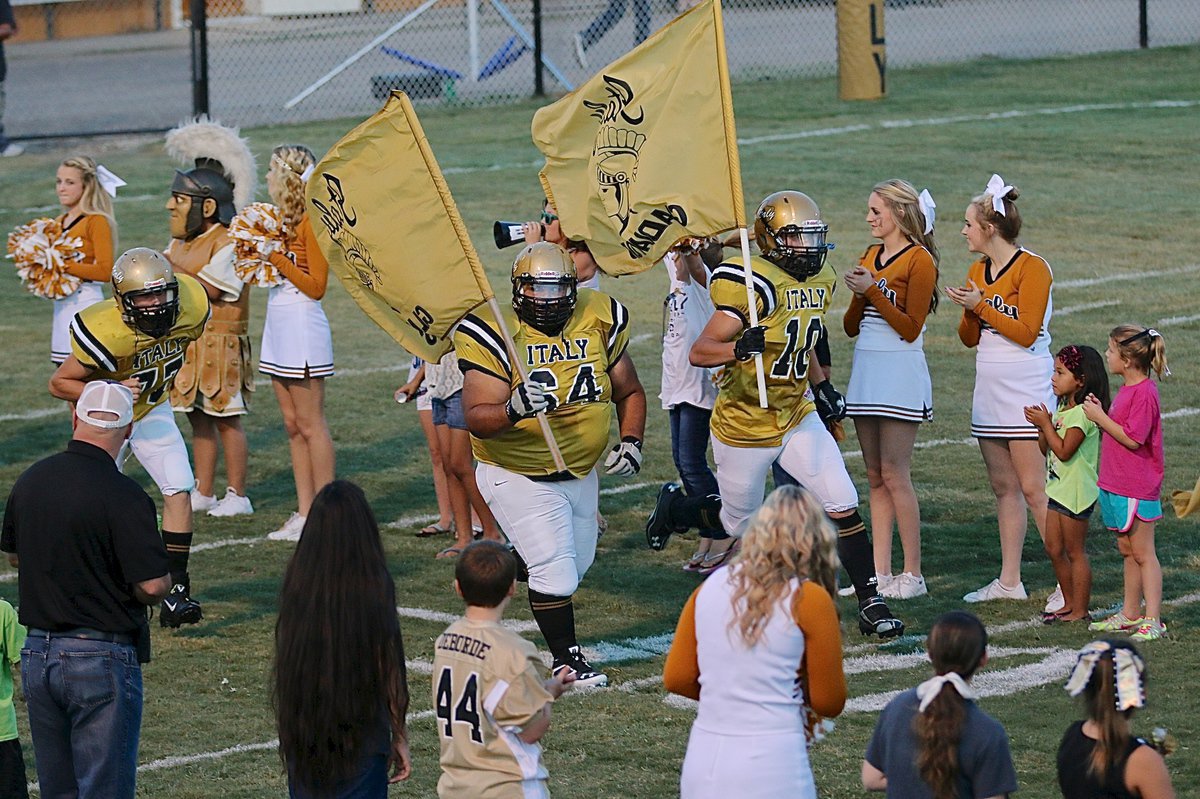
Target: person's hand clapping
[
  {"x": 1038, "y": 416},
  {"x": 967, "y": 297},
  {"x": 858, "y": 280},
  {"x": 1092, "y": 408}
]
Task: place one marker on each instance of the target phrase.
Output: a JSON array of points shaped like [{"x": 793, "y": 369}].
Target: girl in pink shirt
[{"x": 1131, "y": 474}]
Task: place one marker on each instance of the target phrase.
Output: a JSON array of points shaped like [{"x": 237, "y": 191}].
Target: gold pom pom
[
  {"x": 41, "y": 252},
  {"x": 257, "y": 231}
]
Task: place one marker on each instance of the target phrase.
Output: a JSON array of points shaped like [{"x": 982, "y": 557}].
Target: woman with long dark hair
[
  {"x": 340, "y": 689},
  {"x": 932, "y": 741}
]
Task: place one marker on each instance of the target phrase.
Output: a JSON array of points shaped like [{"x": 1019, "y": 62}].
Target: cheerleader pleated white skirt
[
  {"x": 296, "y": 338},
  {"x": 89, "y": 293},
  {"x": 746, "y": 767},
  {"x": 893, "y": 384},
  {"x": 1003, "y": 389}
]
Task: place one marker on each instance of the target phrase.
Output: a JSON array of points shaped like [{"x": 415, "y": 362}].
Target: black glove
[
  {"x": 752, "y": 342},
  {"x": 831, "y": 406}
]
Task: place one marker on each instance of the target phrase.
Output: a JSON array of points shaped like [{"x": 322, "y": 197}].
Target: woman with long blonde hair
[
  {"x": 88, "y": 216},
  {"x": 890, "y": 393},
  {"x": 297, "y": 347},
  {"x": 758, "y": 643}
]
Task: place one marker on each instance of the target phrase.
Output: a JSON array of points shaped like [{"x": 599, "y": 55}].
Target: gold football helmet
[
  {"x": 543, "y": 284},
  {"x": 790, "y": 234},
  {"x": 146, "y": 290}
]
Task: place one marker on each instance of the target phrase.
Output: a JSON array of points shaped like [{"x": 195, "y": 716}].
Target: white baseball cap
[{"x": 103, "y": 397}]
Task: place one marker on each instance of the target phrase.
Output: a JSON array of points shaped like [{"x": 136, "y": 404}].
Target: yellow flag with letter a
[
  {"x": 384, "y": 218},
  {"x": 645, "y": 153}
]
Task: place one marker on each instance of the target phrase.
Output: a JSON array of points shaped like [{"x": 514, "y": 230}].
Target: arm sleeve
[
  {"x": 220, "y": 274},
  {"x": 681, "y": 672},
  {"x": 618, "y": 334},
  {"x": 521, "y": 698},
  {"x": 136, "y": 540},
  {"x": 994, "y": 774},
  {"x": 727, "y": 289},
  {"x": 1142, "y": 413},
  {"x": 313, "y": 279},
  {"x": 100, "y": 268},
  {"x": 13, "y": 634},
  {"x": 921, "y": 283},
  {"x": 876, "y": 753},
  {"x": 1033, "y": 295},
  {"x": 852, "y": 321},
  {"x": 814, "y": 613},
  {"x": 969, "y": 328}
]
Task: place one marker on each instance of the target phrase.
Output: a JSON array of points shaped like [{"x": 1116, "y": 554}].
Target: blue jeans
[
  {"x": 689, "y": 448},
  {"x": 85, "y": 713}
]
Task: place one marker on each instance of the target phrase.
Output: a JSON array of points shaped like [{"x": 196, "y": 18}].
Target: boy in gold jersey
[
  {"x": 573, "y": 343},
  {"x": 791, "y": 288},
  {"x": 490, "y": 691}
]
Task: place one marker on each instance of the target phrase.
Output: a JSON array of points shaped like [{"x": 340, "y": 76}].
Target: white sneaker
[
  {"x": 202, "y": 503},
  {"x": 291, "y": 529},
  {"x": 232, "y": 504},
  {"x": 996, "y": 590},
  {"x": 847, "y": 591},
  {"x": 11, "y": 149},
  {"x": 1056, "y": 602},
  {"x": 906, "y": 586}
]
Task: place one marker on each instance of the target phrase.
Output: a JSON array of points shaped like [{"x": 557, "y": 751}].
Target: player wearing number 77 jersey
[
  {"x": 573, "y": 343},
  {"x": 140, "y": 340},
  {"x": 792, "y": 288}
]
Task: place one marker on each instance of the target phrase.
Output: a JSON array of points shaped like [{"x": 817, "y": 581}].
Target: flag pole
[
  {"x": 511, "y": 346},
  {"x": 753, "y": 308}
]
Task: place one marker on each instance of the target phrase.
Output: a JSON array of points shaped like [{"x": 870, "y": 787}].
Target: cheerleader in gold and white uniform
[
  {"x": 297, "y": 346},
  {"x": 890, "y": 393},
  {"x": 88, "y": 216},
  {"x": 1006, "y": 317}
]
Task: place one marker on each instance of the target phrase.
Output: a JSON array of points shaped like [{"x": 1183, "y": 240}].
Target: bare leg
[
  {"x": 308, "y": 397},
  {"x": 1075, "y": 545},
  {"x": 1141, "y": 540},
  {"x": 1054, "y": 540},
  {"x": 896, "y": 440},
  {"x": 459, "y": 504},
  {"x": 867, "y": 428},
  {"x": 1030, "y": 466},
  {"x": 177, "y": 512},
  {"x": 463, "y": 467},
  {"x": 1132, "y": 606},
  {"x": 301, "y": 462},
  {"x": 233, "y": 440},
  {"x": 1011, "y": 514},
  {"x": 438, "y": 468},
  {"x": 204, "y": 451}
]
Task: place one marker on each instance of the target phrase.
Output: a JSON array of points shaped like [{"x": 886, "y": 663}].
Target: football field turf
[{"x": 1104, "y": 151}]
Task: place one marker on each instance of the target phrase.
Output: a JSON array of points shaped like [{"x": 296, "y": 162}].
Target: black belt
[{"x": 84, "y": 633}]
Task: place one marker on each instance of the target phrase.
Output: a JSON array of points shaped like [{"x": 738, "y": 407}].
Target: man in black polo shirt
[{"x": 85, "y": 539}]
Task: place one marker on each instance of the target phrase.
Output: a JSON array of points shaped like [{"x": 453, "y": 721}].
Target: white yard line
[{"x": 1087, "y": 306}]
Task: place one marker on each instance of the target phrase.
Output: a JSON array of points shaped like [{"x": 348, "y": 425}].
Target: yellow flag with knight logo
[
  {"x": 645, "y": 152},
  {"x": 384, "y": 218}
]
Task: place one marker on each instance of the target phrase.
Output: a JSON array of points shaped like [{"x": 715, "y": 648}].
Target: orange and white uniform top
[
  {"x": 95, "y": 235},
  {"x": 890, "y": 314},
  {"x": 488, "y": 683},
  {"x": 1012, "y": 321}
]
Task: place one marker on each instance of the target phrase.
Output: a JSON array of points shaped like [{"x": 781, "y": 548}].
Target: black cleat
[
  {"x": 658, "y": 526},
  {"x": 178, "y": 608},
  {"x": 586, "y": 676},
  {"x": 874, "y": 618}
]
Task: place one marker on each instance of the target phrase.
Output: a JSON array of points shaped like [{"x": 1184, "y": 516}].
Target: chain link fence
[{"x": 95, "y": 66}]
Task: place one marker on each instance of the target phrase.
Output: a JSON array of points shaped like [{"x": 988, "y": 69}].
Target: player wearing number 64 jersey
[
  {"x": 792, "y": 288},
  {"x": 140, "y": 340},
  {"x": 573, "y": 344}
]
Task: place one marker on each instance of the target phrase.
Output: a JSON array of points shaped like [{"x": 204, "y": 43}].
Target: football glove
[
  {"x": 625, "y": 459},
  {"x": 528, "y": 399},
  {"x": 752, "y": 342},
  {"x": 831, "y": 406}
]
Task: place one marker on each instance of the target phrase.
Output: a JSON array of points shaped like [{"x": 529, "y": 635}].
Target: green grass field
[{"x": 1103, "y": 149}]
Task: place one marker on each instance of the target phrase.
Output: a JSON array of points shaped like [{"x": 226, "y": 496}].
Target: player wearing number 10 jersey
[
  {"x": 792, "y": 288},
  {"x": 140, "y": 340}
]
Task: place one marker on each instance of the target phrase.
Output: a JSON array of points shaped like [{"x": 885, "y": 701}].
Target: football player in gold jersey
[
  {"x": 792, "y": 289},
  {"x": 140, "y": 340},
  {"x": 573, "y": 344}
]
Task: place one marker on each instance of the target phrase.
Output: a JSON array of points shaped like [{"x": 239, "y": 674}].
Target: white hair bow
[
  {"x": 999, "y": 190},
  {"x": 929, "y": 690},
  {"x": 108, "y": 181},
  {"x": 928, "y": 209},
  {"x": 307, "y": 173},
  {"x": 1127, "y": 673}
]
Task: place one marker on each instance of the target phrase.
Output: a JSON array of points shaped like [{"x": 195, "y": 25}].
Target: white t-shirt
[{"x": 685, "y": 313}]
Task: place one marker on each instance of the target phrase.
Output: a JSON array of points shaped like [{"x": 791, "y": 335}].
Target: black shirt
[
  {"x": 6, "y": 15},
  {"x": 85, "y": 534},
  {"x": 1074, "y": 756}
]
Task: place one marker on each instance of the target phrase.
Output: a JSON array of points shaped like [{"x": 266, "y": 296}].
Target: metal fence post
[
  {"x": 1143, "y": 25},
  {"x": 199, "y": 39},
  {"x": 539, "y": 83}
]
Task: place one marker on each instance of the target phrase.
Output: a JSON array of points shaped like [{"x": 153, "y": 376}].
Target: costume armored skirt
[{"x": 296, "y": 339}]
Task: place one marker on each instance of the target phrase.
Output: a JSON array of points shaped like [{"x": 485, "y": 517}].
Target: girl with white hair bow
[{"x": 932, "y": 741}]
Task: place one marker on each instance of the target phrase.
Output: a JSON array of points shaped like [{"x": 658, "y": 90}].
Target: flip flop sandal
[
  {"x": 448, "y": 552},
  {"x": 711, "y": 563},
  {"x": 434, "y": 529},
  {"x": 695, "y": 561}
]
